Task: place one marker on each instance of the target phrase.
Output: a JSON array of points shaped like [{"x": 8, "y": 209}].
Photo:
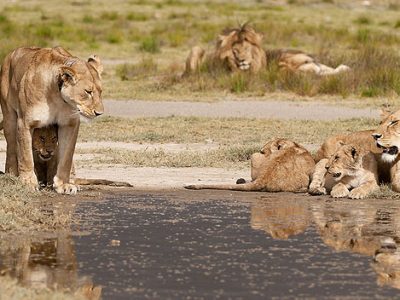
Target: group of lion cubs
[{"x": 46, "y": 92}]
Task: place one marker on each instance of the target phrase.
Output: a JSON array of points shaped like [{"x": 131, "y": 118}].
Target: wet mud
[{"x": 217, "y": 245}]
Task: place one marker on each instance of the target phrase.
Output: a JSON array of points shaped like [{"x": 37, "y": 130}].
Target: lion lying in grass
[
  {"x": 240, "y": 49},
  {"x": 281, "y": 166}
]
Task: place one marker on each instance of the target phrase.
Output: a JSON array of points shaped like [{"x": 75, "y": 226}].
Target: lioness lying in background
[
  {"x": 240, "y": 49},
  {"x": 281, "y": 166}
]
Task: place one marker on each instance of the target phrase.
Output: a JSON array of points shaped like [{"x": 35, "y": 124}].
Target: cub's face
[
  {"x": 344, "y": 162},
  {"x": 45, "y": 142},
  {"x": 80, "y": 87},
  {"x": 387, "y": 137}
]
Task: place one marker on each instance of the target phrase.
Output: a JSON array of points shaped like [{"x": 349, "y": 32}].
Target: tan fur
[
  {"x": 351, "y": 172},
  {"x": 45, "y": 155},
  {"x": 387, "y": 137},
  {"x": 299, "y": 61},
  {"x": 42, "y": 86},
  {"x": 287, "y": 168},
  {"x": 237, "y": 49}
]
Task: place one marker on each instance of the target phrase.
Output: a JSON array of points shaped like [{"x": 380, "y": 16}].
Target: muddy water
[{"x": 220, "y": 245}]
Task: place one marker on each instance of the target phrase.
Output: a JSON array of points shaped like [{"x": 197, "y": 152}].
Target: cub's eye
[
  {"x": 336, "y": 158},
  {"x": 279, "y": 147},
  {"x": 393, "y": 122},
  {"x": 89, "y": 92},
  {"x": 42, "y": 139}
]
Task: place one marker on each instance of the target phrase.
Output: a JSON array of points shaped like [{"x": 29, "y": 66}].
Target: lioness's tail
[
  {"x": 247, "y": 187},
  {"x": 84, "y": 181}
]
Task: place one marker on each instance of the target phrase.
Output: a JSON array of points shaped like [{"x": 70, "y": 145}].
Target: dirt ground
[{"x": 176, "y": 178}]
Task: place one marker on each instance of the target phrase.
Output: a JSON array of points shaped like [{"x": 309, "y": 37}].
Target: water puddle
[{"x": 203, "y": 245}]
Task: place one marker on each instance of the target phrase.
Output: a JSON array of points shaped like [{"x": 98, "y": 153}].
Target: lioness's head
[
  {"x": 45, "y": 142},
  {"x": 344, "y": 162},
  {"x": 278, "y": 144},
  {"x": 241, "y": 48},
  {"x": 80, "y": 86},
  {"x": 387, "y": 136}
]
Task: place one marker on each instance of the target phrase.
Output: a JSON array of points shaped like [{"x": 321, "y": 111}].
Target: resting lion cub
[
  {"x": 350, "y": 172},
  {"x": 45, "y": 157},
  {"x": 281, "y": 166}
]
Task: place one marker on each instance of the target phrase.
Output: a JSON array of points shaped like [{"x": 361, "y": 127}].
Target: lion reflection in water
[
  {"x": 46, "y": 261},
  {"x": 364, "y": 228}
]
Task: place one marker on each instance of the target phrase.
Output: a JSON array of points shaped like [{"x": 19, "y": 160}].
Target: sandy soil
[{"x": 175, "y": 178}]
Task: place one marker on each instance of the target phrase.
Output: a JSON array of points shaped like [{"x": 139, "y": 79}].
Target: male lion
[
  {"x": 240, "y": 49},
  {"x": 43, "y": 86},
  {"x": 286, "y": 167},
  {"x": 351, "y": 172},
  {"x": 236, "y": 49},
  {"x": 45, "y": 156}
]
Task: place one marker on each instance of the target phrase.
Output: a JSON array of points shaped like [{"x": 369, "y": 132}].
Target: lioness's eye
[{"x": 90, "y": 93}]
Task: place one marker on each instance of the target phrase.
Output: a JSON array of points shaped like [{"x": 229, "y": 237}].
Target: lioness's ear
[
  {"x": 68, "y": 75},
  {"x": 95, "y": 62}
]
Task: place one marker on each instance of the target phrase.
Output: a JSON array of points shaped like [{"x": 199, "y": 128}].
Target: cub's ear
[
  {"x": 95, "y": 62},
  {"x": 67, "y": 75}
]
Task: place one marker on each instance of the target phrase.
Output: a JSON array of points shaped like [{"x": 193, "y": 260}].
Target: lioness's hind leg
[{"x": 10, "y": 133}]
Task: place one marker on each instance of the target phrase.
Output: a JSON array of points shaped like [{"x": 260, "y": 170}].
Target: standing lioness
[{"x": 43, "y": 86}]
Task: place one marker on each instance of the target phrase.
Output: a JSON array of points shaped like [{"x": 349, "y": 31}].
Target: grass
[
  {"x": 21, "y": 210},
  {"x": 10, "y": 289},
  {"x": 166, "y": 30},
  {"x": 226, "y": 157},
  {"x": 225, "y": 131}
]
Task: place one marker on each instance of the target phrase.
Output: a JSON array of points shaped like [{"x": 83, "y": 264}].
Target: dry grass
[
  {"x": 225, "y": 131},
  {"x": 10, "y": 289},
  {"x": 22, "y": 210},
  {"x": 335, "y": 31},
  {"x": 226, "y": 157}
]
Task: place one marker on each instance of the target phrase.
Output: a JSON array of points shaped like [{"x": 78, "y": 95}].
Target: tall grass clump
[
  {"x": 130, "y": 71},
  {"x": 150, "y": 44}
]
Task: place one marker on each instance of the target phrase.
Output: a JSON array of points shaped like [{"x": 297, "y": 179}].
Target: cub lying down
[
  {"x": 281, "y": 166},
  {"x": 349, "y": 172},
  {"x": 45, "y": 157}
]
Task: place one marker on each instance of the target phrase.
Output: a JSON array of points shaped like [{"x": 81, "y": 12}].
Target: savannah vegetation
[{"x": 144, "y": 44}]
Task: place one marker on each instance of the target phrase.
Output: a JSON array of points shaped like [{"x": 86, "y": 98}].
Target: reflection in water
[
  {"x": 280, "y": 220},
  {"x": 45, "y": 260},
  {"x": 367, "y": 228}
]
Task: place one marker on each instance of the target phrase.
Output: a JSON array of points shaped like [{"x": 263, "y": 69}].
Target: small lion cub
[{"x": 349, "y": 172}]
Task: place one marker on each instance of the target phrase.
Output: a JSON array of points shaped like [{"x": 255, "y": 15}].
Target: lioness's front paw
[
  {"x": 30, "y": 180},
  {"x": 339, "y": 191},
  {"x": 358, "y": 193},
  {"x": 317, "y": 190},
  {"x": 66, "y": 188}
]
